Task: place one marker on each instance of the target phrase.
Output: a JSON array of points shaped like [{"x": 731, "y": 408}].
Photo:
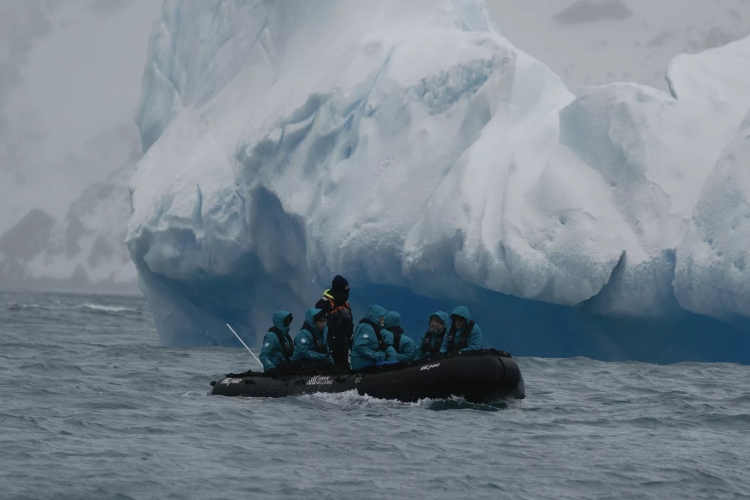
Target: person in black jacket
[{"x": 335, "y": 303}]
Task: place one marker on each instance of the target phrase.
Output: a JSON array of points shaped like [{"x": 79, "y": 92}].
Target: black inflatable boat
[{"x": 477, "y": 376}]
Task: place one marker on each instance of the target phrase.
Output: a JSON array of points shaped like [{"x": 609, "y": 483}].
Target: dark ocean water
[{"x": 91, "y": 406}]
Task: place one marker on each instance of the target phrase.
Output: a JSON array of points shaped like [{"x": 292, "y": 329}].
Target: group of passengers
[{"x": 328, "y": 339}]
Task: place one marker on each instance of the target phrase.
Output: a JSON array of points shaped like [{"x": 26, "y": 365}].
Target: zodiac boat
[{"x": 478, "y": 376}]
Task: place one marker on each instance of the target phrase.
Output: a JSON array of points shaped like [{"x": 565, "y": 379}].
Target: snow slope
[{"x": 410, "y": 146}]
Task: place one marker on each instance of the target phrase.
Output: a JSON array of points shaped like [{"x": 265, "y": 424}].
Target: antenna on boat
[{"x": 246, "y": 347}]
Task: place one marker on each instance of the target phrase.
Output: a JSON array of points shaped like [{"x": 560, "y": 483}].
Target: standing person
[
  {"x": 278, "y": 346},
  {"x": 310, "y": 350},
  {"x": 393, "y": 334},
  {"x": 369, "y": 344},
  {"x": 464, "y": 334},
  {"x": 432, "y": 340},
  {"x": 335, "y": 303}
]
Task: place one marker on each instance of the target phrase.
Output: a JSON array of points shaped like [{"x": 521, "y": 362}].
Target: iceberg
[
  {"x": 712, "y": 275},
  {"x": 412, "y": 148}
]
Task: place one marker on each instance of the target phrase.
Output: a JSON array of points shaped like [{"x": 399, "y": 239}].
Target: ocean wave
[
  {"x": 88, "y": 307},
  {"x": 587, "y": 428},
  {"x": 346, "y": 401},
  {"x": 100, "y": 308},
  {"x": 24, "y": 307}
]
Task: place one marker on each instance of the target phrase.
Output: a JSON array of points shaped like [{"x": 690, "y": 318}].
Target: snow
[{"x": 409, "y": 145}]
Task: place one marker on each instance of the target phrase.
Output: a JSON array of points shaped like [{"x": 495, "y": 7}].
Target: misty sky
[
  {"x": 593, "y": 42},
  {"x": 70, "y": 71},
  {"x": 85, "y": 77}
]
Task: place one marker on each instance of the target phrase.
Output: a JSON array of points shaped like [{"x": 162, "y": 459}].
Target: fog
[
  {"x": 71, "y": 73},
  {"x": 70, "y": 76},
  {"x": 594, "y": 42}
]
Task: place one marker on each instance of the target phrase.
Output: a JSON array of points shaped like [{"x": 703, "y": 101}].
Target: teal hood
[
  {"x": 444, "y": 317},
  {"x": 375, "y": 312},
  {"x": 278, "y": 320},
  {"x": 392, "y": 318},
  {"x": 463, "y": 312},
  {"x": 310, "y": 315}
]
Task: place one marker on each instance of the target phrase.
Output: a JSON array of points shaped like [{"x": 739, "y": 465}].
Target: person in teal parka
[
  {"x": 394, "y": 335},
  {"x": 278, "y": 346},
  {"x": 310, "y": 342},
  {"x": 464, "y": 334},
  {"x": 369, "y": 345},
  {"x": 432, "y": 340}
]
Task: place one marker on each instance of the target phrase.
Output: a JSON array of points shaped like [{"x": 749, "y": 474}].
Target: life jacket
[
  {"x": 317, "y": 346},
  {"x": 334, "y": 306},
  {"x": 463, "y": 341},
  {"x": 397, "y": 331},
  {"x": 427, "y": 346},
  {"x": 340, "y": 321},
  {"x": 381, "y": 342},
  {"x": 286, "y": 342}
]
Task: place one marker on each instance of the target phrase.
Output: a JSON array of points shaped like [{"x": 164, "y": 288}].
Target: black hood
[{"x": 339, "y": 284}]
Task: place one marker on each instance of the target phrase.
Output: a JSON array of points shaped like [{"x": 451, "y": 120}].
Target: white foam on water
[
  {"x": 107, "y": 309},
  {"x": 352, "y": 400}
]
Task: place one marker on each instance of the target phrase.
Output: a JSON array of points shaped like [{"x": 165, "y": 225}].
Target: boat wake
[{"x": 352, "y": 401}]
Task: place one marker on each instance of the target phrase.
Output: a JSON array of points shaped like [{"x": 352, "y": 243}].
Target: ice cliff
[
  {"x": 409, "y": 145},
  {"x": 712, "y": 275}
]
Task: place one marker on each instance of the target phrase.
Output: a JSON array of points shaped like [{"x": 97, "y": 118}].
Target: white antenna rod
[{"x": 246, "y": 347}]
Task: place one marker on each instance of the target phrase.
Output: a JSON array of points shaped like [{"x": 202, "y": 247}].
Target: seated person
[
  {"x": 432, "y": 340},
  {"x": 369, "y": 345},
  {"x": 311, "y": 351},
  {"x": 394, "y": 335},
  {"x": 464, "y": 334},
  {"x": 278, "y": 346}
]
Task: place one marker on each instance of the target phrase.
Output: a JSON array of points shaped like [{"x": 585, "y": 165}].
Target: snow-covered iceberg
[
  {"x": 712, "y": 275},
  {"x": 407, "y": 144}
]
